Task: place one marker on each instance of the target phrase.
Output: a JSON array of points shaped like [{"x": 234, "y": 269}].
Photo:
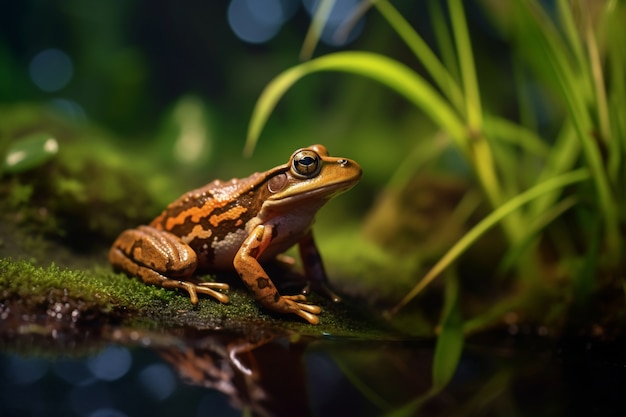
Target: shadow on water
[{"x": 117, "y": 372}]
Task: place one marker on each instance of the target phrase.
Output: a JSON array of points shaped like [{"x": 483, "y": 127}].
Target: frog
[{"x": 239, "y": 225}]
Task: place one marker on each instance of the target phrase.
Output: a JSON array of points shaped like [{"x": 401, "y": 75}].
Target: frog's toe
[
  {"x": 297, "y": 297},
  {"x": 215, "y": 285},
  {"x": 311, "y": 308},
  {"x": 208, "y": 290},
  {"x": 325, "y": 288},
  {"x": 193, "y": 289},
  {"x": 306, "y": 314}
]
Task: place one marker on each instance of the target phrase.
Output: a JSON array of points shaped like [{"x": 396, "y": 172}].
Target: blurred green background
[{"x": 135, "y": 68}]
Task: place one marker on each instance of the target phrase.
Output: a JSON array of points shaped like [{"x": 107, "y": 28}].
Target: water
[{"x": 190, "y": 372}]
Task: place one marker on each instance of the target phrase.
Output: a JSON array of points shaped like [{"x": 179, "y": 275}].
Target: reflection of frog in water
[
  {"x": 237, "y": 224},
  {"x": 246, "y": 372}
]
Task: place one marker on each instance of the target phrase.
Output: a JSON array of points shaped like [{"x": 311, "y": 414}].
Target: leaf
[
  {"x": 29, "y": 152},
  {"x": 447, "y": 350},
  {"x": 320, "y": 17},
  {"x": 450, "y": 341},
  {"x": 387, "y": 71}
]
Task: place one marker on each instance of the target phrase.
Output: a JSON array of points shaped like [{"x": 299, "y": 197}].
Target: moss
[
  {"x": 99, "y": 296},
  {"x": 84, "y": 194}
]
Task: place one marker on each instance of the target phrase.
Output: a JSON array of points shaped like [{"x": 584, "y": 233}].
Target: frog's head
[{"x": 311, "y": 177}]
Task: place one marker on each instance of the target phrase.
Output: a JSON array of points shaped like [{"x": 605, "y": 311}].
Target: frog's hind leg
[
  {"x": 314, "y": 268},
  {"x": 149, "y": 254}
]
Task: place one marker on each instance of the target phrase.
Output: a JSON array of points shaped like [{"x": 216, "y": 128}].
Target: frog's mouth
[{"x": 305, "y": 192}]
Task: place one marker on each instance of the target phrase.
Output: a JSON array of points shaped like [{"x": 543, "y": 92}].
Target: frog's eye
[{"x": 306, "y": 164}]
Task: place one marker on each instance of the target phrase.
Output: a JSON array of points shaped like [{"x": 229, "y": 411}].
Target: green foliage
[
  {"x": 454, "y": 104},
  {"x": 535, "y": 184}
]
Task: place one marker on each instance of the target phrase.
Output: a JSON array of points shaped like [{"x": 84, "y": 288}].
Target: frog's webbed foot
[{"x": 294, "y": 304}]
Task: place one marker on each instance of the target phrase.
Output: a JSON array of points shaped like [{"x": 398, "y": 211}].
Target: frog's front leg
[
  {"x": 154, "y": 255},
  {"x": 260, "y": 284},
  {"x": 314, "y": 268}
]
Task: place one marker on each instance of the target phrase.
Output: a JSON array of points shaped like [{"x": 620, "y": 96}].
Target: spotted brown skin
[{"x": 239, "y": 224}]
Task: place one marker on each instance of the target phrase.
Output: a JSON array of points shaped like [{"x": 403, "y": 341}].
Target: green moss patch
[{"x": 98, "y": 296}]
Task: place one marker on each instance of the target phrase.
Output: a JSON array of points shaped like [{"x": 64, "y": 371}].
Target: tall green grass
[{"x": 575, "y": 52}]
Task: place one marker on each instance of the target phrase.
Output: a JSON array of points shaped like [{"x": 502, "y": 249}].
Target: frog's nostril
[{"x": 343, "y": 162}]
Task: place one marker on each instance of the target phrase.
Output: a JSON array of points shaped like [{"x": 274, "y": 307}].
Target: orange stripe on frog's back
[
  {"x": 194, "y": 213},
  {"x": 232, "y": 214},
  {"x": 208, "y": 203}
]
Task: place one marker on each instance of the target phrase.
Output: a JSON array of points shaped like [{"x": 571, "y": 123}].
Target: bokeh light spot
[
  {"x": 69, "y": 108},
  {"x": 74, "y": 371},
  {"x": 107, "y": 412},
  {"x": 86, "y": 399},
  {"x": 255, "y": 21},
  {"x": 51, "y": 70},
  {"x": 158, "y": 380},
  {"x": 340, "y": 14},
  {"x": 269, "y": 12},
  {"x": 110, "y": 364},
  {"x": 25, "y": 371}
]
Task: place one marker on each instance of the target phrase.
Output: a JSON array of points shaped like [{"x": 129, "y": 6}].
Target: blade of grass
[
  {"x": 564, "y": 155},
  {"x": 315, "y": 28},
  {"x": 487, "y": 223},
  {"x": 473, "y": 107},
  {"x": 539, "y": 222},
  {"x": 480, "y": 150},
  {"x": 450, "y": 340},
  {"x": 528, "y": 113},
  {"x": 514, "y": 134},
  {"x": 569, "y": 83},
  {"x": 448, "y": 349},
  {"x": 387, "y": 71},
  {"x": 572, "y": 37},
  {"x": 420, "y": 155},
  {"x": 423, "y": 53},
  {"x": 616, "y": 63},
  {"x": 585, "y": 275},
  {"x": 602, "y": 112},
  {"x": 444, "y": 42},
  {"x": 363, "y": 387}
]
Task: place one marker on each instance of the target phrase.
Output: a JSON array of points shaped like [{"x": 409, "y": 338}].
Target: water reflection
[
  {"x": 264, "y": 376},
  {"x": 203, "y": 373}
]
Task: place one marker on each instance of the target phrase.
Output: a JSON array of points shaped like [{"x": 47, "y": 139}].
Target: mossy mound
[{"x": 59, "y": 297}]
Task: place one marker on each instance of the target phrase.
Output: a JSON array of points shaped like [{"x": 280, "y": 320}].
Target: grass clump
[{"x": 558, "y": 199}]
